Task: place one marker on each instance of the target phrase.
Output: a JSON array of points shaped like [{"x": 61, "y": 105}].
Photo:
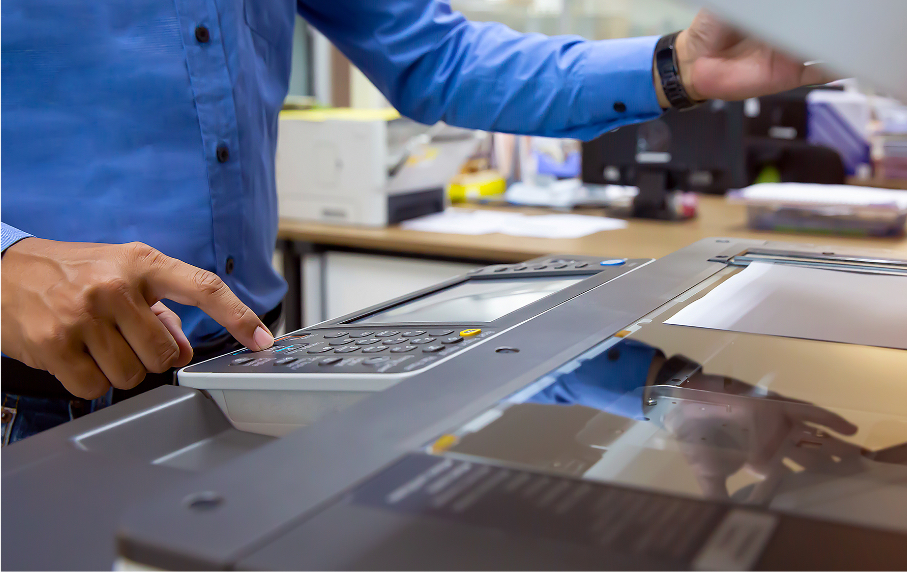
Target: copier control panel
[{"x": 330, "y": 365}]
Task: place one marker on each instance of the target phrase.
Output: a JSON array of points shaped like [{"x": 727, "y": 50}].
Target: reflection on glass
[
  {"x": 630, "y": 412},
  {"x": 474, "y": 301}
]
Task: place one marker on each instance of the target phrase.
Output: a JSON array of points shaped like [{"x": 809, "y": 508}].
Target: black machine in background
[{"x": 711, "y": 148}]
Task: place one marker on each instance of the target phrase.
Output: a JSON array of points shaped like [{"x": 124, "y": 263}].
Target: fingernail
[{"x": 262, "y": 338}]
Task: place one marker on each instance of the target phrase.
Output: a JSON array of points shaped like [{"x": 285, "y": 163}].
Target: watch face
[{"x": 653, "y": 137}]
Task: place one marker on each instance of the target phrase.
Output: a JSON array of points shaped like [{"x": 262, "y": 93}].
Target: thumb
[{"x": 815, "y": 74}]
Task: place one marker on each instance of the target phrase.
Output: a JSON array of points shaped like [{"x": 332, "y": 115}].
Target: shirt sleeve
[
  {"x": 11, "y": 236},
  {"x": 613, "y": 381},
  {"x": 434, "y": 65}
]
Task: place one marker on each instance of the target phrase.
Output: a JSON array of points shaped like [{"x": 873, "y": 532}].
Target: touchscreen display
[{"x": 473, "y": 301}]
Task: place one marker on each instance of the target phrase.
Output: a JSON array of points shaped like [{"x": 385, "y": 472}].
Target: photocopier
[{"x": 738, "y": 404}]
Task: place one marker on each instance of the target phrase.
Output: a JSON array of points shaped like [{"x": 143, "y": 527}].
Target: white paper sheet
[
  {"x": 808, "y": 303},
  {"x": 461, "y": 221}
]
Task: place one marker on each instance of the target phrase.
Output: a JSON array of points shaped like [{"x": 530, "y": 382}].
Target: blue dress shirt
[
  {"x": 156, "y": 120},
  {"x": 612, "y": 380}
]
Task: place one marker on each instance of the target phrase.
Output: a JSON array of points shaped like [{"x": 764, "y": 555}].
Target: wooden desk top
[{"x": 641, "y": 239}]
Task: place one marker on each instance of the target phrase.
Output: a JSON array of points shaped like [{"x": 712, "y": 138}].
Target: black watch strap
[{"x": 669, "y": 73}]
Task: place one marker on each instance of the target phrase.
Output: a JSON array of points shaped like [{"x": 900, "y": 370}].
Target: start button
[{"x": 470, "y": 332}]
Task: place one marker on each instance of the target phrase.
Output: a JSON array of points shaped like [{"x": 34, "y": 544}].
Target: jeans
[{"x": 24, "y": 416}]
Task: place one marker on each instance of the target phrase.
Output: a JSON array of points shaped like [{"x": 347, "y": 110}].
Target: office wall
[
  {"x": 592, "y": 19},
  {"x": 301, "y": 66}
]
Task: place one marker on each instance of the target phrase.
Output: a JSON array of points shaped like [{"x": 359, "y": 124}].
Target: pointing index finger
[{"x": 186, "y": 284}]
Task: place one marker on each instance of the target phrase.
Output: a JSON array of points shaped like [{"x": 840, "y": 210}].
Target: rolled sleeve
[
  {"x": 434, "y": 65},
  {"x": 11, "y": 236}
]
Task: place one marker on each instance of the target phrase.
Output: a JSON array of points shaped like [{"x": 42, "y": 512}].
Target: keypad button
[
  {"x": 581, "y": 265},
  {"x": 330, "y": 361},
  {"x": 342, "y": 342},
  {"x": 345, "y": 349},
  {"x": 541, "y": 267},
  {"x": 452, "y": 340},
  {"x": 520, "y": 268},
  {"x": 301, "y": 336},
  {"x": 402, "y": 349},
  {"x": 360, "y": 334},
  {"x": 287, "y": 348},
  {"x": 559, "y": 266},
  {"x": 286, "y": 361},
  {"x": 500, "y": 269},
  {"x": 320, "y": 350},
  {"x": 377, "y": 360},
  {"x": 413, "y": 333},
  {"x": 421, "y": 341},
  {"x": 387, "y": 333},
  {"x": 432, "y": 349},
  {"x": 441, "y": 332},
  {"x": 374, "y": 349},
  {"x": 368, "y": 342},
  {"x": 335, "y": 334},
  {"x": 394, "y": 341},
  {"x": 241, "y": 360}
]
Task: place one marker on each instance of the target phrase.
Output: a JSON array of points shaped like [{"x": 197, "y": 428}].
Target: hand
[
  {"x": 720, "y": 428},
  {"x": 718, "y": 62},
  {"x": 91, "y": 314}
]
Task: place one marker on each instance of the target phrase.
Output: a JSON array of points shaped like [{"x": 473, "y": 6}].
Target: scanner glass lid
[
  {"x": 804, "y": 426},
  {"x": 473, "y": 301}
]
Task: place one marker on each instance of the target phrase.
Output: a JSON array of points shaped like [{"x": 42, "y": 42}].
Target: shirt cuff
[
  {"x": 617, "y": 82},
  {"x": 11, "y": 236}
]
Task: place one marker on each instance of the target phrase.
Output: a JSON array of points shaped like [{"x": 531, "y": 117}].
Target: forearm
[{"x": 434, "y": 65}]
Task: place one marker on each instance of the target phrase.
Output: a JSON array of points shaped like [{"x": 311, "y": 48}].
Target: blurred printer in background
[{"x": 365, "y": 166}]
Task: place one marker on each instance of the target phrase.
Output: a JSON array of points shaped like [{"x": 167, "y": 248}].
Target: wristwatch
[{"x": 669, "y": 73}]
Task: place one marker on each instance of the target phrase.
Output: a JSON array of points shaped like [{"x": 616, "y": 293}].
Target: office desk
[{"x": 641, "y": 239}]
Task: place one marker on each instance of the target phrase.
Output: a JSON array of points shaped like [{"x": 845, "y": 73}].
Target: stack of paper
[{"x": 814, "y": 195}]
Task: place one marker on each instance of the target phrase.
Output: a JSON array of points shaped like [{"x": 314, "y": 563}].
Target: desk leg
[{"x": 292, "y": 272}]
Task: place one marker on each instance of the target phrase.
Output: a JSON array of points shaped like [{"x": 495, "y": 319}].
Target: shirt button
[
  {"x": 230, "y": 265},
  {"x": 223, "y": 153},
  {"x": 202, "y": 34},
  {"x": 620, "y": 107}
]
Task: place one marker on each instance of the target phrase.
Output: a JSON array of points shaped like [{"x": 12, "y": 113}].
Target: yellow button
[
  {"x": 470, "y": 332},
  {"x": 623, "y": 333},
  {"x": 444, "y": 443}
]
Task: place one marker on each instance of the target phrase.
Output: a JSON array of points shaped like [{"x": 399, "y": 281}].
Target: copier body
[{"x": 488, "y": 459}]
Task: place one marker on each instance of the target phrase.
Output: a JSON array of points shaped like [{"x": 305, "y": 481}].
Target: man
[{"x": 138, "y": 158}]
